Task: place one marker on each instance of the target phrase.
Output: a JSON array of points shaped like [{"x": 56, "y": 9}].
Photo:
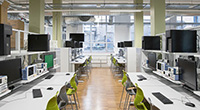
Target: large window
[{"x": 99, "y": 37}]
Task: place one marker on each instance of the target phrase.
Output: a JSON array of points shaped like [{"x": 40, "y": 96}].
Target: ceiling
[{"x": 103, "y": 7}]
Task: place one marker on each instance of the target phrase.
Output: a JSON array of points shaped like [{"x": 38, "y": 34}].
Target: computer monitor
[
  {"x": 152, "y": 60},
  {"x": 151, "y": 42},
  {"x": 119, "y": 44},
  {"x": 67, "y": 43},
  {"x": 128, "y": 43},
  {"x": 76, "y": 44},
  {"x": 77, "y": 36},
  {"x": 12, "y": 69},
  {"x": 39, "y": 42},
  {"x": 122, "y": 44},
  {"x": 49, "y": 60},
  {"x": 188, "y": 70}
]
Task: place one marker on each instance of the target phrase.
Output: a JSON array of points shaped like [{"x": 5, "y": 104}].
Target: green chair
[
  {"x": 52, "y": 103},
  {"x": 124, "y": 79},
  {"x": 72, "y": 91},
  {"x": 139, "y": 105}
]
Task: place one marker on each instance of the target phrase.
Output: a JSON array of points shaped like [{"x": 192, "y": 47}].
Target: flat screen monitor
[
  {"x": 12, "y": 69},
  {"x": 152, "y": 60},
  {"x": 77, "y": 36},
  {"x": 128, "y": 44},
  {"x": 30, "y": 71},
  {"x": 188, "y": 72},
  {"x": 151, "y": 42},
  {"x": 118, "y": 44},
  {"x": 49, "y": 60},
  {"x": 122, "y": 44},
  {"x": 81, "y": 45},
  {"x": 38, "y": 42},
  {"x": 67, "y": 44},
  {"x": 159, "y": 66},
  {"x": 76, "y": 43}
]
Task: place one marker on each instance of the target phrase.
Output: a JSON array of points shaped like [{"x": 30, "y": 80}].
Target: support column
[
  {"x": 138, "y": 26},
  {"x": 157, "y": 11},
  {"x": 36, "y": 16},
  {"x": 57, "y": 24}
]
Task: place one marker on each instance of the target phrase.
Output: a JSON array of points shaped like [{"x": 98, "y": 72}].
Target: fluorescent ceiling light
[
  {"x": 192, "y": 6},
  {"x": 167, "y": 19},
  {"x": 128, "y": 11}
]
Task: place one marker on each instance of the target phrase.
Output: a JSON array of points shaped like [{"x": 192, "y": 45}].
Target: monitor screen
[
  {"x": 188, "y": 72},
  {"x": 159, "y": 66},
  {"x": 30, "y": 71},
  {"x": 128, "y": 44},
  {"x": 12, "y": 69},
  {"x": 76, "y": 44},
  {"x": 122, "y": 44},
  {"x": 77, "y": 36},
  {"x": 49, "y": 60},
  {"x": 152, "y": 60},
  {"x": 67, "y": 44},
  {"x": 119, "y": 44}
]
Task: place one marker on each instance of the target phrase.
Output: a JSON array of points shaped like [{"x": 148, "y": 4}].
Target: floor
[{"x": 101, "y": 91}]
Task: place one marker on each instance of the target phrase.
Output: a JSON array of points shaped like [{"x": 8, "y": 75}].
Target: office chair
[
  {"x": 64, "y": 99},
  {"x": 52, "y": 103},
  {"x": 124, "y": 79},
  {"x": 72, "y": 91},
  {"x": 139, "y": 105}
]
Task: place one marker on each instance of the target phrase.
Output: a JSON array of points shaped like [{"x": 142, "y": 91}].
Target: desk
[
  {"x": 23, "y": 100},
  {"x": 77, "y": 62},
  {"x": 120, "y": 60},
  {"x": 154, "y": 85}
]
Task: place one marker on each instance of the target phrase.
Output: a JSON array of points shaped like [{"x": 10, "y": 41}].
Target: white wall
[
  {"x": 73, "y": 29},
  {"x": 122, "y": 32}
]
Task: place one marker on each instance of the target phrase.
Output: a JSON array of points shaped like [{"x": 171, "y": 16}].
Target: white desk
[
  {"x": 80, "y": 60},
  {"x": 154, "y": 85},
  {"x": 120, "y": 60},
  {"x": 23, "y": 100}
]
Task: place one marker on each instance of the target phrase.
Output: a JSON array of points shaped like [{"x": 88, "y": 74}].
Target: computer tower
[
  {"x": 5, "y": 33},
  {"x": 151, "y": 42},
  {"x": 181, "y": 40},
  {"x": 38, "y": 42}
]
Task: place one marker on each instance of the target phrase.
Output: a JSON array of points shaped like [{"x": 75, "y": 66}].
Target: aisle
[{"x": 100, "y": 92}]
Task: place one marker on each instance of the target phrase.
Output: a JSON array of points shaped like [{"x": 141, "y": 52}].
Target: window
[
  {"x": 99, "y": 38},
  {"x": 188, "y": 19}
]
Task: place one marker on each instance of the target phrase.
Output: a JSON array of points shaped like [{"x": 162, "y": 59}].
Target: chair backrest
[
  {"x": 63, "y": 94},
  {"x": 139, "y": 96},
  {"x": 124, "y": 79},
  {"x": 52, "y": 103},
  {"x": 73, "y": 82}
]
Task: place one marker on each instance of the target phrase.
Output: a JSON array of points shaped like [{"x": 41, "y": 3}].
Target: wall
[
  {"x": 122, "y": 32},
  {"x": 73, "y": 29}
]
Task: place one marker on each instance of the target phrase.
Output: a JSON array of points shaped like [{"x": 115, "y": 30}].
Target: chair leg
[
  {"x": 71, "y": 102},
  {"x": 75, "y": 101},
  {"x": 129, "y": 102},
  {"x": 121, "y": 97},
  {"x": 125, "y": 101}
]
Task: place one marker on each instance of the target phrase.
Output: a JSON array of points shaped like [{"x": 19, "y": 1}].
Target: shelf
[
  {"x": 147, "y": 68},
  {"x": 154, "y": 51},
  {"x": 56, "y": 67},
  {"x": 162, "y": 75},
  {"x": 28, "y": 81},
  {"x": 5, "y": 93},
  {"x": 174, "y": 53},
  {"x": 196, "y": 93},
  {"x": 24, "y": 52}
]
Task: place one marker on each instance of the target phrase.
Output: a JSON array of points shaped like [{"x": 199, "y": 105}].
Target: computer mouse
[
  {"x": 50, "y": 88},
  {"x": 76, "y": 60},
  {"x": 190, "y": 104},
  {"x": 68, "y": 74},
  {"x": 140, "y": 79}
]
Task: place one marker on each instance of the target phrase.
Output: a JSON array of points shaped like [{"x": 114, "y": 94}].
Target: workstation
[{"x": 99, "y": 55}]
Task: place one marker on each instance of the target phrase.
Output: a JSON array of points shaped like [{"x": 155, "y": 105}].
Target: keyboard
[
  {"x": 141, "y": 77},
  {"x": 36, "y": 93},
  {"x": 49, "y": 76},
  {"x": 162, "y": 98}
]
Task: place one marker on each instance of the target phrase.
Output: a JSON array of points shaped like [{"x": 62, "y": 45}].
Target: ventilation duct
[
  {"x": 79, "y": 19},
  {"x": 84, "y": 18}
]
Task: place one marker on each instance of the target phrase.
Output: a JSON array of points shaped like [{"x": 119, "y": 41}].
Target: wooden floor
[{"x": 100, "y": 92}]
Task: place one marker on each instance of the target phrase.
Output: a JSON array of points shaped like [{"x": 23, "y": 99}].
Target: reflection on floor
[{"x": 100, "y": 92}]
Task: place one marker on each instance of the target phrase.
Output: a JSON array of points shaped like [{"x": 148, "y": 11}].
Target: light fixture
[
  {"x": 168, "y": 18},
  {"x": 125, "y": 11}
]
